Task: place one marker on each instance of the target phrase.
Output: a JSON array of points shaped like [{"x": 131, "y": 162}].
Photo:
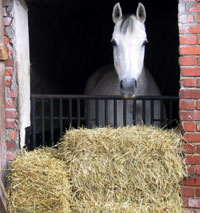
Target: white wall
[{"x": 22, "y": 64}]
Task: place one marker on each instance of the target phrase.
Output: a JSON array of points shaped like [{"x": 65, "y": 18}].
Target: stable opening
[{"x": 70, "y": 40}]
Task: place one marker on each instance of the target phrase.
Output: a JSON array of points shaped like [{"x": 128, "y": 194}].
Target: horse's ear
[
  {"x": 141, "y": 13},
  {"x": 117, "y": 13}
]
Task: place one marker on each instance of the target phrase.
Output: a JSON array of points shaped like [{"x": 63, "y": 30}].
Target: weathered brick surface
[
  {"x": 11, "y": 93},
  {"x": 189, "y": 49}
]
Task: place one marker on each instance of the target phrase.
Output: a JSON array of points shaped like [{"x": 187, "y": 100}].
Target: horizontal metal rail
[
  {"x": 105, "y": 97},
  {"x": 51, "y": 115}
]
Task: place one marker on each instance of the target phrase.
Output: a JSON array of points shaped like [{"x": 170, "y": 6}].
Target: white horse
[{"x": 129, "y": 78}]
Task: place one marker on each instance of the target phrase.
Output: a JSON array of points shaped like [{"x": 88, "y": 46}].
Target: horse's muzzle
[{"x": 128, "y": 88}]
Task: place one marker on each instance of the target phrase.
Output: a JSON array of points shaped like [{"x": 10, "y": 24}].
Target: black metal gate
[{"x": 51, "y": 115}]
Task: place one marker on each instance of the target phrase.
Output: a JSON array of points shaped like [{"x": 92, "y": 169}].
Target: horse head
[{"x": 129, "y": 39}]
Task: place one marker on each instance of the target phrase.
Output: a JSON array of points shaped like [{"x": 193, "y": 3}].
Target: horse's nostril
[
  {"x": 121, "y": 85},
  {"x": 135, "y": 84}
]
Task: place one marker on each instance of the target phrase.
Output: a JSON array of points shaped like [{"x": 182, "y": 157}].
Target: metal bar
[
  {"x": 33, "y": 124},
  {"x": 70, "y": 112},
  {"x": 97, "y": 112},
  {"x": 143, "y": 111},
  {"x": 88, "y": 113},
  {"x": 115, "y": 113},
  {"x": 106, "y": 111},
  {"x": 170, "y": 112},
  {"x": 134, "y": 111},
  {"x": 78, "y": 113},
  {"x": 51, "y": 121},
  {"x": 152, "y": 112},
  {"x": 124, "y": 112},
  {"x": 161, "y": 112},
  {"x": 61, "y": 116},
  {"x": 43, "y": 122}
]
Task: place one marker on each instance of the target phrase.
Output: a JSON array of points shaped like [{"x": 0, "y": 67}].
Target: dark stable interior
[{"x": 70, "y": 39}]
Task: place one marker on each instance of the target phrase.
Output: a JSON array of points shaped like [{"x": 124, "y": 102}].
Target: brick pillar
[
  {"x": 11, "y": 88},
  {"x": 189, "y": 34}
]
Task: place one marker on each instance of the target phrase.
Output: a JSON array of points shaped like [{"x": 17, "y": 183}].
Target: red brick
[
  {"x": 198, "y": 192},
  {"x": 188, "y": 39},
  {"x": 5, "y": 12},
  {"x": 198, "y": 126},
  {"x": 191, "y": 181},
  {"x": 11, "y": 114},
  {"x": 9, "y": 62},
  {"x": 198, "y": 170},
  {"x": 187, "y": 61},
  {"x": 5, "y": 32},
  {"x": 7, "y": 21},
  {"x": 187, "y": 105},
  {"x": 191, "y": 94},
  {"x": 185, "y": 201},
  {"x": 8, "y": 82},
  {"x": 5, "y": 3},
  {"x": 12, "y": 94},
  {"x": 195, "y": 8},
  {"x": 11, "y": 156},
  {"x": 6, "y": 41},
  {"x": 198, "y": 149},
  {"x": 198, "y": 18},
  {"x": 189, "y": 149},
  {"x": 10, "y": 124},
  {"x": 189, "y": 126},
  {"x": 10, "y": 104},
  {"x": 192, "y": 160},
  {"x": 191, "y": 170},
  {"x": 10, "y": 51},
  {"x": 194, "y": 203},
  {"x": 13, "y": 135},
  {"x": 186, "y": 18},
  {"x": 190, "y": 71},
  {"x": 198, "y": 83},
  {"x": 192, "y": 137},
  {"x": 11, "y": 144},
  {"x": 190, "y": 116},
  {"x": 192, "y": 50},
  {"x": 187, "y": 192},
  {"x": 198, "y": 104},
  {"x": 189, "y": 82},
  {"x": 8, "y": 71}
]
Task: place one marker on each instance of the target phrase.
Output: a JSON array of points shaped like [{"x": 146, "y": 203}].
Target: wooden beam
[{"x": 3, "y": 207}]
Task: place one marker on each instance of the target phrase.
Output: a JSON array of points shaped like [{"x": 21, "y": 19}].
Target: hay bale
[
  {"x": 38, "y": 183},
  {"x": 129, "y": 169}
]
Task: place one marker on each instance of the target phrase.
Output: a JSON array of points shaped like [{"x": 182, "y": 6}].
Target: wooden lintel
[{"x": 3, "y": 53}]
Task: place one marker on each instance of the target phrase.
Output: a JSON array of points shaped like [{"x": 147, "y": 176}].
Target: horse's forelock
[{"x": 126, "y": 24}]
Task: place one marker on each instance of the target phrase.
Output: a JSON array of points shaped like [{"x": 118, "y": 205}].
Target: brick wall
[
  {"x": 189, "y": 34},
  {"x": 12, "y": 135}
]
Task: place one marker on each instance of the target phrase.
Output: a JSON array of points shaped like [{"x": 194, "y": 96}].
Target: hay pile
[
  {"x": 38, "y": 183},
  {"x": 131, "y": 169}
]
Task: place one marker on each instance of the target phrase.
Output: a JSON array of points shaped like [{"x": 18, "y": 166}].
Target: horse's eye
[
  {"x": 114, "y": 43},
  {"x": 144, "y": 43}
]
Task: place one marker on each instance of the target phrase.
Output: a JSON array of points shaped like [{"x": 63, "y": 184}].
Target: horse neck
[{"x": 142, "y": 82}]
